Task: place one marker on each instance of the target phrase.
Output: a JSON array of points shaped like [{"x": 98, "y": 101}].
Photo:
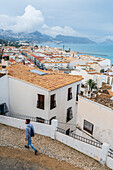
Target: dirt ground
[{"x": 15, "y": 159}]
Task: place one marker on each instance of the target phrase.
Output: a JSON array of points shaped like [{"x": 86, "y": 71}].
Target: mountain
[
  {"x": 73, "y": 40},
  {"x": 108, "y": 41},
  {"x": 29, "y": 37},
  {"x": 37, "y": 37},
  {"x": 3, "y": 42}
]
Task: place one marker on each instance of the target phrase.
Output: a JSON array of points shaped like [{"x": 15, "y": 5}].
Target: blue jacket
[{"x": 28, "y": 130}]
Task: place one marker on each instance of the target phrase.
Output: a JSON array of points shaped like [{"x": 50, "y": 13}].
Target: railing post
[
  {"x": 104, "y": 153},
  {"x": 54, "y": 126}
]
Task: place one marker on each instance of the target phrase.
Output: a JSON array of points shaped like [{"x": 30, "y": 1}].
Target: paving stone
[{"x": 15, "y": 138}]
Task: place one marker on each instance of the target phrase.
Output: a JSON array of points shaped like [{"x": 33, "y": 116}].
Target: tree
[
  {"x": 91, "y": 84},
  {"x": 102, "y": 71}
]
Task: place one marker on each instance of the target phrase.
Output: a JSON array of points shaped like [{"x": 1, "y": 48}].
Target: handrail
[{"x": 83, "y": 139}]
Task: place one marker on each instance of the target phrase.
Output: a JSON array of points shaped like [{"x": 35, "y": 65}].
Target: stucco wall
[
  {"x": 23, "y": 98},
  {"x": 40, "y": 128},
  {"x": 62, "y": 104},
  {"x": 109, "y": 162},
  {"x": 4, "y": 90},
  {"x": 100, "y": 116},
  {"x": 79, "y": 145}
]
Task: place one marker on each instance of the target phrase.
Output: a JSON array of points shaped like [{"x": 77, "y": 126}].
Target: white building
[
  {"x": 95, "y": 119},
  {"x": 44, "y": 96},
  {"x": 97, "y": 77}
]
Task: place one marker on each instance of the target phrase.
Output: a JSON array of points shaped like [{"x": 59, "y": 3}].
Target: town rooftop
[{"x": 48, "y": 81}]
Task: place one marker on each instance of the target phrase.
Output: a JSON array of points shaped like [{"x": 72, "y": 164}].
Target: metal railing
[
  {"x": 83, "y": 139},
  {"x": 61, "y": 130},
  {"x": 110, "y": 153},
  {"x": 24, "y": 117},
  {"x": 20, "y": 116}
]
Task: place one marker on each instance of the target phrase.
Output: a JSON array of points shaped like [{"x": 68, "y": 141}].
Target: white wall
[
  {"x": 85, "y": 148},
  {"x": 23, "y": 98},
  {"x": 109, "y": 162},
  {"x": 4, "y": 90},
  {"x": 51, "y": 65},
  {"x": 40, "y": 128},
  {"x": 97, "y": 78},
  {"x": 62, "y": 104},
  {"x": 100, "y": 116},
  {"x": 105, "y": 64},
  {"x": 50, "y": 131}
]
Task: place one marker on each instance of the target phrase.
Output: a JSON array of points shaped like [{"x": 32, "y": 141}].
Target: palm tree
[{"x": 91, "y": 84}]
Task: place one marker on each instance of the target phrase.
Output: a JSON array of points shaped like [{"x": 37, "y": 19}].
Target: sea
[{"x": 97, "y": 50}]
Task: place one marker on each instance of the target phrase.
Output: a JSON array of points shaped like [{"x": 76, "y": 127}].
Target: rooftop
[{"x": 48, "y": 81}]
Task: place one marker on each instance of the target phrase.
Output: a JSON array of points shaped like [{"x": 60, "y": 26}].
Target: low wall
[
  {"x": 85, "y": 148},
  {"x": 42, "y": 129},
  {"x": 50, "y": 131},
  {"x": 109, "y": 162}
]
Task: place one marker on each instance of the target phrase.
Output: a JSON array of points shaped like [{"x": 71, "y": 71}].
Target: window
[
  {"x": 88, "y": 127},
  {"x": 40, "y": 102},
  {"x": 69, "y": 114},
  {"x": 78, "y": 91},
  {"x": 70, "y": 93},
  {"x": 52, "y": 101}
]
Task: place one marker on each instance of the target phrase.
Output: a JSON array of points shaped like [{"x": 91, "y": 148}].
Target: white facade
[
  {"x": 23, "y": 100},
  {"x": 50, "y": 65},
  {"x": 100, "y": 116},
  {"x": 98, "y": 78},
  {"x": 4, "y": 90}
]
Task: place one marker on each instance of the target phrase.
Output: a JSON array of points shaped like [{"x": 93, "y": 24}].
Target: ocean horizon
[{"x": 97, "y": 50}]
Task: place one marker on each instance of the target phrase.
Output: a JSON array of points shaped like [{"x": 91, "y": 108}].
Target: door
[
  {"x": 2, "y": 109},
  {"x": 67, "y": 131}
]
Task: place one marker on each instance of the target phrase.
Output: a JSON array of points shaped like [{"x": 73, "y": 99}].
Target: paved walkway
[
  {"x": 12, "y": 141},
  {"x": 16, "y": 159}
]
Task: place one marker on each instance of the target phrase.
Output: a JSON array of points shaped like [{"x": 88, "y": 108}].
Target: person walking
[{"x": 29, "y": 134}]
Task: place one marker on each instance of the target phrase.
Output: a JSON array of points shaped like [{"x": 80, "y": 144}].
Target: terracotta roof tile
[{"x": 49, "y": 81}]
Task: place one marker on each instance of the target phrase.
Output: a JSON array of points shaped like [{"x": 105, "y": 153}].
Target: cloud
[
  {"x": 30, "y": 21},
  {"x": 33, "y": 20},
  {"x": 56, "y": 30}
]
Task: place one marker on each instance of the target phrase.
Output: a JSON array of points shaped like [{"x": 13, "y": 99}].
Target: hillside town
[{"x": 67, "y": 95}]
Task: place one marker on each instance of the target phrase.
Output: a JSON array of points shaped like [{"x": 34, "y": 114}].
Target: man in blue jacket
[{"x": 29, "y": 128}]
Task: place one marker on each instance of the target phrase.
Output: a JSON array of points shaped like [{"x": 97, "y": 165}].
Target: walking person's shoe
[
  {"x": 26, "y": 146},
  {"x": 36, "y": 152}
]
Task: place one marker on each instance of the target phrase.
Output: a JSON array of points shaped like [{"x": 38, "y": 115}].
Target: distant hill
[
  {"x": 3, "y": 42},
  {"x": 37, "y": 37},
  {"x": 73, "y": 40},
  {"x": 108, "y": 41}
]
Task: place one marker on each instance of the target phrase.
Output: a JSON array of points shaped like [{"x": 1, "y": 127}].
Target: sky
[{"x": 88, "y": 18}]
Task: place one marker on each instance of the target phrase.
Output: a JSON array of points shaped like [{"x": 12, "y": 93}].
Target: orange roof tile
[{"x": 49, "y": 81}]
